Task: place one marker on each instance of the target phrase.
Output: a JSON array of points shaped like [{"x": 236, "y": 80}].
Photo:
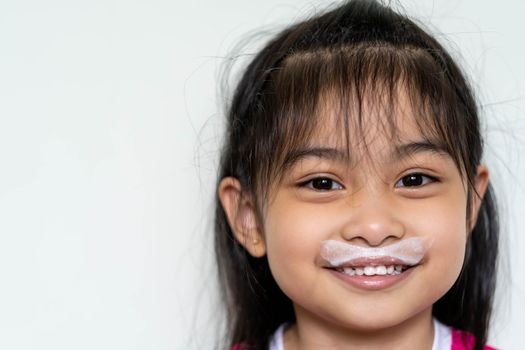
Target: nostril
[{"x": 373, "y": 226}]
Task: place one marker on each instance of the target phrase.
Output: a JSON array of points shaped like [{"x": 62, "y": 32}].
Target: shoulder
[{"x": 464, "y": 341}]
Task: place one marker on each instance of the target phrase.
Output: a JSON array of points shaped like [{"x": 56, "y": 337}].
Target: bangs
[{"x": 348, "y": 80}]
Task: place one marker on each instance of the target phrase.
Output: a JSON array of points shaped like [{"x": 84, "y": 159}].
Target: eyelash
[
  {"x": 430, "y": 180},
  {"x": 310, "y": 183}
]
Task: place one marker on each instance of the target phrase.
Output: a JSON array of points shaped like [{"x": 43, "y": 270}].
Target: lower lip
[{"x": 372, "y": 282}]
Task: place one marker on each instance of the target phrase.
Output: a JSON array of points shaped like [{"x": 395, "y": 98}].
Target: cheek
[
  {"x": 444, "y": 221},
  {"x": 293, "y": 234},
  {"x": 295, "y": 228}
]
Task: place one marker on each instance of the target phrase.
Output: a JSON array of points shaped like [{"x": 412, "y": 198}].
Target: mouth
[
  {"x": 378, "y": 270},
  {"x": 372, "y": 276}
]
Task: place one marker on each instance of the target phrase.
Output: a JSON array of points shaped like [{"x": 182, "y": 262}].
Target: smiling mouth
[
  {"x": 376, "y": 270},
  {"x": 372, "y": 276},
  {"x": 373, "y": 266}
]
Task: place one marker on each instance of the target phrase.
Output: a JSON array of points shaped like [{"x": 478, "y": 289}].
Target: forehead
[
  {"x": 372, "y": 123},
  {"x": 355, "y": 93}
]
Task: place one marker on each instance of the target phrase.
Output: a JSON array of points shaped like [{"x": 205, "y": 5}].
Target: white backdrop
[{"x": 109, "y": 126}]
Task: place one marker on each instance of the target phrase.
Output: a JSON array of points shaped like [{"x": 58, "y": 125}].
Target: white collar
[{"x": 442, "y": 337}]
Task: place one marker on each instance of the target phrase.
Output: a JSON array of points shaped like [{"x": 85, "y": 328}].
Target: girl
[{"x": 353, "y": 211}]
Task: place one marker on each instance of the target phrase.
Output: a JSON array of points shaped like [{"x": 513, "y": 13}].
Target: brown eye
[
  {"x": 414, "y": 180},
  {"x": 323, "y": 184}
]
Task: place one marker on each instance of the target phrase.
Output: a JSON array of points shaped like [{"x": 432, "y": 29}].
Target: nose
[{"x": 373, "y": 221}]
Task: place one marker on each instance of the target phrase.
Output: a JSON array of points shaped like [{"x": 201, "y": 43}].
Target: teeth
[
  {"x": 349, "y": 271},
  {"x": 381, "y": 270},
  {"x": 372, "y": 270}
]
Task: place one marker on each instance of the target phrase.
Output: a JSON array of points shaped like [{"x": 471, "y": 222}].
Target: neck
[{"x": 311, "y": 332}]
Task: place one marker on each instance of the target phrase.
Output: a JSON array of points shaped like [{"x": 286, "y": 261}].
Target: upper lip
[{"x": 407, "y": 252}]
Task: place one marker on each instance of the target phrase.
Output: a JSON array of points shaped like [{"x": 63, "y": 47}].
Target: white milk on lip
[{"x": 410, "y": 251}]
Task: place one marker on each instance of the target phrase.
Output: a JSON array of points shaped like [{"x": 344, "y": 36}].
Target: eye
[
  {"x": 414, "y": 180},
  {"x": 322, "y": 184}
]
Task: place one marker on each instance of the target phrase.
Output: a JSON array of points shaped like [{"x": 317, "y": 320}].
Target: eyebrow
[
  {"x": 328, "y": 153},
  {"x": 412, "y": 148},
  {"x": 399, "y": 152}
]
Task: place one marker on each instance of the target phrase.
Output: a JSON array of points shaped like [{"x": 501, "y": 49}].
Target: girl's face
[{"x": 389, "y": 192}]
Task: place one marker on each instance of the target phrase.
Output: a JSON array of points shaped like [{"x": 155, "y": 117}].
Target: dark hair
[{"x": 359, "y": 50}]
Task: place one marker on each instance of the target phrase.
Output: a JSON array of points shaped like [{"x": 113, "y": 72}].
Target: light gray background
[{"x": 108, "y": 145}]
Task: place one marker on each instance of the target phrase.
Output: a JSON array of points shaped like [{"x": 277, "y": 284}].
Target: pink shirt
[{"x": 458, "y": 344}]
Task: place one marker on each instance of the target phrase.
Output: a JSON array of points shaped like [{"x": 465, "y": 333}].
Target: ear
[
  {"x": 481, "y": 182},
  {"x": 241, "y": 214}
]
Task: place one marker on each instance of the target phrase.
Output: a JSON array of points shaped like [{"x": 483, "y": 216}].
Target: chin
[
  {"x": 373, "y": 324},
  {"x": 377, "y": 319}
]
